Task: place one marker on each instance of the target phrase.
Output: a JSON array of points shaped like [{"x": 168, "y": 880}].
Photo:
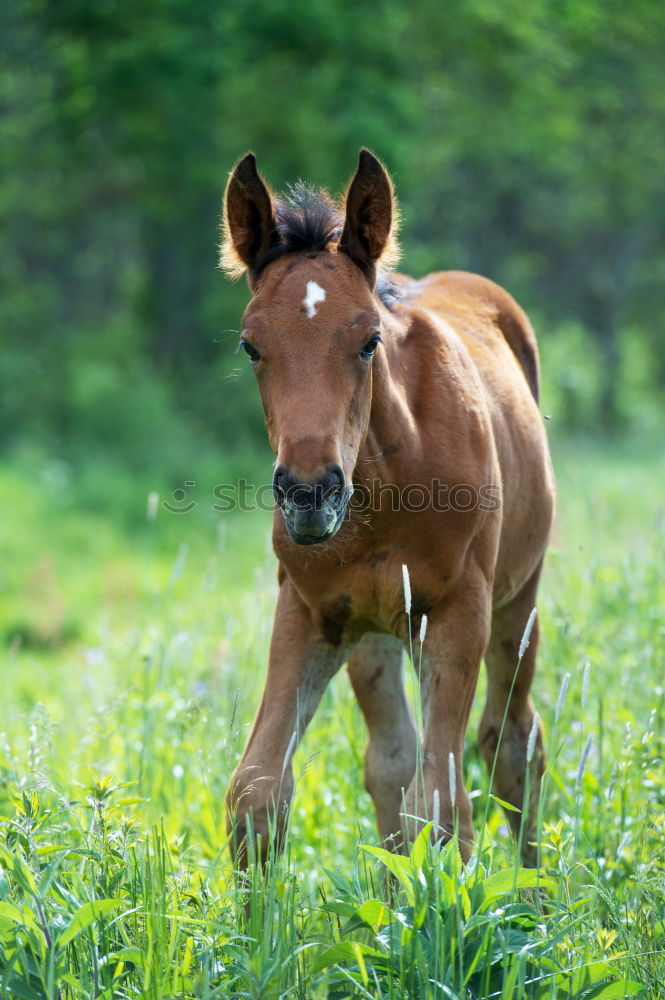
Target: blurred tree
[
  {"x": 527, "y": 143},
  {"x": 547, "y": 165}
]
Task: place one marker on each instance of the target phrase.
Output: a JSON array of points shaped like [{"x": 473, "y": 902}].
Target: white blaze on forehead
[{"x": 315, "y": 294}]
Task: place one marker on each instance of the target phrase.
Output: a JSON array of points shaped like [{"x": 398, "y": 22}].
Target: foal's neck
[{"x": 391, "y": 444}]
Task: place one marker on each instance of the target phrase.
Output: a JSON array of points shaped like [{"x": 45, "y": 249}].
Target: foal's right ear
[
  {"x": 371, "y": 216},
  {"x": 248, "y": 227}
]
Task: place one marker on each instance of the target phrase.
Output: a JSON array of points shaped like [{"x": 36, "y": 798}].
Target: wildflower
[
  {"x": 563, "y": 691},
  {"x": 407, "y": 588},
  {"x": 533, "y": 736},
  {"x": 527, "y": 633},
  {"x": 452, "y": 778},
  {"x": 436, "y": 809},
  {"x": 585, "y": 683},
  {"x": 583, "y": 760},
  {"x": 289, "y": 752}
]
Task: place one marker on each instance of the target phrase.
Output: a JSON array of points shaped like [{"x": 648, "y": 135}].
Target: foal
[{"x": 376, "y": 389}]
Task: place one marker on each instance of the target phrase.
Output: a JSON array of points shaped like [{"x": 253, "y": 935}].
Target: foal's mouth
[{"x": 319, "y": 521}]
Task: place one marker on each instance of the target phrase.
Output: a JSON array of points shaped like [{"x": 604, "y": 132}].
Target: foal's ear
[
  {"x": 370, "y": 215},
  {"x": 248, "y": 227}
]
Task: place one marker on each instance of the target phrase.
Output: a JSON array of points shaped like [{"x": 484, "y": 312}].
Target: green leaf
[
  {"x": 21, "y": 916},
  {"x": 374, "y": 913},
  {"x": 339, "y": 908},
  {"x": 347, "y": 951},
  {"x": 133, "y": 955},
  {"x": 447, "y": 889},
  {"x": 481, "y": 952},
  {"x": 398, "y": 865},
  {"x": 420, "y": 911},
  {"x": 505, "y": 805},
  {"x": 502, "y": 883},
  {"x": 19, "y": 870},
  {"x": 619, "y": 990},
  {"x": 22, "y": 991},
  {"x": 419, "y": 850},
  {"x": 86, "y": 915},
  {"x": 341, "y": 883},
  {"x": 465, "y": 900}
]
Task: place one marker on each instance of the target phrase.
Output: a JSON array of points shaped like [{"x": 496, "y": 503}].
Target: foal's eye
[
  {"x": 368, "y": 349},
  {"x": 250, "y": 351}
]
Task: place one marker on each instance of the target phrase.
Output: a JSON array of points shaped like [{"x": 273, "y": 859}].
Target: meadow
[{"x": 134, "y": 656}]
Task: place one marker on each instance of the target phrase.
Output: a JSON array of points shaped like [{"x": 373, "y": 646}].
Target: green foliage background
[{"x": 527, "y": 142}]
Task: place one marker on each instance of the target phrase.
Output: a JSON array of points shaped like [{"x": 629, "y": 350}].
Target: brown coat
[{"x": 423, "y": 449}]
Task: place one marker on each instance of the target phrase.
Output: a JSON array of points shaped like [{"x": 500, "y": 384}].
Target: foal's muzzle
[{"x": 313, "y": 511}]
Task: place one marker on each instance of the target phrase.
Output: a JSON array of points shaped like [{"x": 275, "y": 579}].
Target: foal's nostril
[
  {"x": 333, "y": 481},
  {"x": 286, "y": 487},
  {"x": 281, "y": 483}
]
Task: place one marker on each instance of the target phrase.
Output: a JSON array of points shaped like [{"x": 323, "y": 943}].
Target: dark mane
[
  {"x": 307, "y": 219},
  {"x": 387, "y": 289}
]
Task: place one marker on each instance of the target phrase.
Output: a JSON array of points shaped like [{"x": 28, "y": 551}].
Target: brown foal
[{"x": 404, "y": 419}]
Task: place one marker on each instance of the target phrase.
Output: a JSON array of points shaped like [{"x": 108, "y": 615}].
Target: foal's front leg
[
  {"x": 457, "y": 634},
  {"x": 300, "y": 667}
]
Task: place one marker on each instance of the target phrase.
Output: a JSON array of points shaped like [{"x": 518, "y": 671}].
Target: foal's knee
[
  {"x": 389, "y": 765},
  {"x": 257, "y": 810}
]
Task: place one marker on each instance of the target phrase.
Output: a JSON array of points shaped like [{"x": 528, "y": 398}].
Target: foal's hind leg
[
  {"x": 375, "y": 669},
  {"x": 501, "y": 657}
]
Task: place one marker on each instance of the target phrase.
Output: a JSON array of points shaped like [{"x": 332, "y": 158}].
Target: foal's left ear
[
  {"x": 370, "y": 216},
  {"x": 249, "y": 220}
]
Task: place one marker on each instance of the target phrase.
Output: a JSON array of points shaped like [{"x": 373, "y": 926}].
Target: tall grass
[{"x": 116, "y": 749}]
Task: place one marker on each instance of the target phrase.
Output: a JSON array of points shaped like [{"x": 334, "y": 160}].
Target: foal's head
[{"x": 311, "y": 329}]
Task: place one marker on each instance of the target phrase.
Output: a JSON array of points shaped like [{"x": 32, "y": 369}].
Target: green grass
[{"x": 134, "y": 658}]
